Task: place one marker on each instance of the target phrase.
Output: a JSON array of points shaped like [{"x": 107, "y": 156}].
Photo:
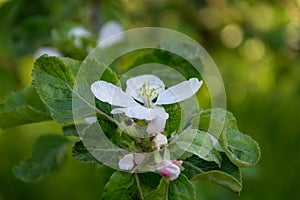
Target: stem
[
  {"x": 137, "y": 180},
  {"x": 167, "y": 192},
  {"x": 95, "y": 15}
]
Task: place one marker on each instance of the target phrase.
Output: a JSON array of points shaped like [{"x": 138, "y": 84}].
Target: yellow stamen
[{"x": 148, "y": 92}]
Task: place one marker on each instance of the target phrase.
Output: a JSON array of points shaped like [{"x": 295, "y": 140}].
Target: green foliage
[
  {"x": 47, "y": 155},
  {"x": 128, "y": 186},
  {"x": 160, "y": 193},
  {"x": 213, "y": 152},
  {"x": 255, "y": 44},
  {"x": 22, "y": 107},
  {"x": 218, "y": 116},
  {"x": 241, "y": 149},
  {"x": 150, "y": 179},
  {"x": 174, "y": 120},
  {"x": 53, "y": 79},
  {"x": 122, "y": 186},
  {"x": 227, "y": 175},
  {"x": 179, "y": 189},
  {"x": 198, "y": 143},
  {"x": 221, "y": 178},
  {"x": 80, "y": 153}
]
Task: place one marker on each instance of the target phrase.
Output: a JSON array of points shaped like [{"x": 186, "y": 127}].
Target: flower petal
[
  {"x": 138, "y": 112},
  {"x": 111, "y": 94},
  {"x": 160, "y": 140},
  {"x": 158, "y": 123},
  {"x": 127, "y": 162},
  {"x": 179, "y": 92},
  {"x": 133, "y": 84}
]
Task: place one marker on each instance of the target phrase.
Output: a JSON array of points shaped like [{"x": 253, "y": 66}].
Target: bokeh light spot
[
  {"x": 253, "y": 49},
  {"x": 231, "y": 35}
]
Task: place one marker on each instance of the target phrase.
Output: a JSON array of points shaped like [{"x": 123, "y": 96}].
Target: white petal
[
  {"x": 137, "y": 82},
  {"x": 138, "y": 112},
  {"x": 179, "y": 92},
  {"x": 160, "y": 140},
  {"x": 111, "y": 94},
  {"x": 127, "y": 162},
  {"x": 158, "y": 123}
]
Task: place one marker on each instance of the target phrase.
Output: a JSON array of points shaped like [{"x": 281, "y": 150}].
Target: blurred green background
[{"x": 255, "y": 44}]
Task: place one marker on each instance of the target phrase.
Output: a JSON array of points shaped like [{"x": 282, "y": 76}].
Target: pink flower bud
[{"x": 169, "y": 168}]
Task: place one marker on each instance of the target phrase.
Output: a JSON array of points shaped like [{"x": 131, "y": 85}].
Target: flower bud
[
  {"x": 160, "y": 140},
  {"x": 169, "y": 168},
  {"x": 127, "y": 162}
]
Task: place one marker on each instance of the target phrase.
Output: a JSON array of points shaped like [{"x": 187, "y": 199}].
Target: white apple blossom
[
  {"x": 170, "y": 168},
  {"x": 143, "y": 96}
]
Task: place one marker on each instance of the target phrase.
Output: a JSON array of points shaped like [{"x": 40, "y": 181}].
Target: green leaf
[
  {"x": 47, "y": 154},
  {"x": 230, "y": 168},
  {"x": 241, "y": 149},
  {"x": 22, "y": 107},
  {"x": 219, "y": 117},
  {"x": 150, "y": 179},
  {"x": 221, "y": 178},
  {"x": 199, "y": 143},
  {"x": 114, "y": 134},
  {"x": 181, "y": 189},
  {"x": 194, "y": 167},
  {"x": 121, "y": 186},
  {"x": 160, "y": 193},
  {"x": 174, "y": 120},
  {"x": 53, "y": 79},
  {"x": 108, "y": 75},
  {"x": 80, "y": 153}
]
